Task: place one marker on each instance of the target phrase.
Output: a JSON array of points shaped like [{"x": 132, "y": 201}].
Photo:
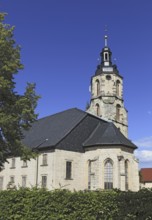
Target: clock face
[{"x": 107, "y": 69}]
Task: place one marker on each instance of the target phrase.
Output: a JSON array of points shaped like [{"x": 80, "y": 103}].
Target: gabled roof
[
  {"x": 73, "y": 130},
  {"x": 146, "y": 175}
]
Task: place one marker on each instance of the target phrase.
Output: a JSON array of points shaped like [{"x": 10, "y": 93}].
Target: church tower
[{"x": 107, "y": 91}]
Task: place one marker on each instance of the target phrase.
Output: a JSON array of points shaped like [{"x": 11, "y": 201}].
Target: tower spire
[
  {"x": 106, "y": 36},
  {"x": 106, "y": 40}
]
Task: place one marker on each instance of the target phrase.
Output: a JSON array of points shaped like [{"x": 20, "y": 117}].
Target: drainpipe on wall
[{"x": 37, "y": 160}]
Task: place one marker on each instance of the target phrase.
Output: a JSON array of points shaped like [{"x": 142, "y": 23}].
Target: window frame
[
  {"x": 13, "y": 163},
  {"x": 98, "y": 109},
  {"x": 68, "y": 175},
  {"x": 12, "y": 178},
  {"x": 44, "y": 159},
  {"x": 24, "y": 181},
  {"x": 44, "y": 183},
  {"x": 117, "y": 88},
  {"x": 126, "y": 175},
  {"x": 108, "y": 174},
  {"x": 97, "y": 87},
  {"x": 118, "y": 107},
  {"x": 1, "y": 182},
  {"x": 24, "y": 163}
]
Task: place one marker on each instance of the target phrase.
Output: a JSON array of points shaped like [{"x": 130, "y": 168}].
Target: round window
[{"x": 108, "y": 77}]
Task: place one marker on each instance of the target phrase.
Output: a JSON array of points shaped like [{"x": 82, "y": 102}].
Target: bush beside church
[{"x": 33, "y": 204}]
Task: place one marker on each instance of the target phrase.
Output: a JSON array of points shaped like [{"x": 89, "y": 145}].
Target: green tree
[{"x": 17, "y": 112}]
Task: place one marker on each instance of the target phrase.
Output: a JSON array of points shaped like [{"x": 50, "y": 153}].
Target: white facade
[
  {"x": 146, "y": 185},
  {"x": 87, "y": 170}
]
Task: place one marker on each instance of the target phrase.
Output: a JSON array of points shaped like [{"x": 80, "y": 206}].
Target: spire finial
[{"x": 106, "y": 37}]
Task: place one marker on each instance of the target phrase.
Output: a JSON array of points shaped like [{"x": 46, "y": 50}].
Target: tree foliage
[{"x": 17, "y": 112}]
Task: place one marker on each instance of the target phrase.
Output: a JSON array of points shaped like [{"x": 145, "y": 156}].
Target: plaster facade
[{"x": 87, "y": 170}]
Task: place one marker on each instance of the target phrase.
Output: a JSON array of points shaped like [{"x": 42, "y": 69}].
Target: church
[{"x": 80, "y": 150}]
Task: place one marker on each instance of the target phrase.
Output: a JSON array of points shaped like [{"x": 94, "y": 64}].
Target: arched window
[
  {"x": 97, "y": 109},
  {"x": 108, "y": 174},
  {"x": 106, "y": 58},
  {"x": 118, "y": 88},
  {"x": 97, "y": 87},
  {"x": 126, "y": 175},
  {"x": 118, "y": 112}
]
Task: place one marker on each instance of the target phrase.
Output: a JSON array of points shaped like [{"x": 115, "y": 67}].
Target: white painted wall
[{"x": 56, "y": 169}]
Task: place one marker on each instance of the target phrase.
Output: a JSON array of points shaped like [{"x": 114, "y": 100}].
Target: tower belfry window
[
  {"x": 118, "y": 112},
  {"x": 98, "y": 109},
  {"x": 97, "y": 87},
  {"x": 106, "y": 56},
  {"x": 118, "y": 88}
]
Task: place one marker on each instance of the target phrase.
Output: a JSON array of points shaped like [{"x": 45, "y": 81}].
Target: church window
[
  {"x": 108, "y": 174},
  {"x": 118, "y": 112},
  {"x": 24, "y": 163},
  {"x": 97, "y": 109},
  {"x": 12, "y": 179},
  {"x": 91, "y": 174},
  {"x": 97, "y": 87},
  {"x": 44, "y": 181},
  {"x": 126, "y": 175},
  {"x": 68, "y": 170},
  {"x": 118, "y": 88},
  {"x": 44, "y": 159},
  {"x": 24, "y": 178},
  {"x": 1, "y": 183},
  {"x": 13, "y": 163}
]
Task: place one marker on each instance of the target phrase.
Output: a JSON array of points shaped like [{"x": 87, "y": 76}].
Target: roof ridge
[
  {"x": 107, "y": 125},
  {"x": 47, "y": 116},
  {"x": 116, "y": 131}
]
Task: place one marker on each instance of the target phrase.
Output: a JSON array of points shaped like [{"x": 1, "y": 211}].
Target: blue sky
[{"x": 61, "y": 41}]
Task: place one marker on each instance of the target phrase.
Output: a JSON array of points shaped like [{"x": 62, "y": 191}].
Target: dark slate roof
[
  {"x": 107, "y": 134},
  {"x": 53, "y": 128},
  {"x": 73, "y": 130}
]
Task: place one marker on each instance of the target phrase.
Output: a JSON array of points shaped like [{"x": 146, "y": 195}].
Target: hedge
[{"x": 40, "y": 204}]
